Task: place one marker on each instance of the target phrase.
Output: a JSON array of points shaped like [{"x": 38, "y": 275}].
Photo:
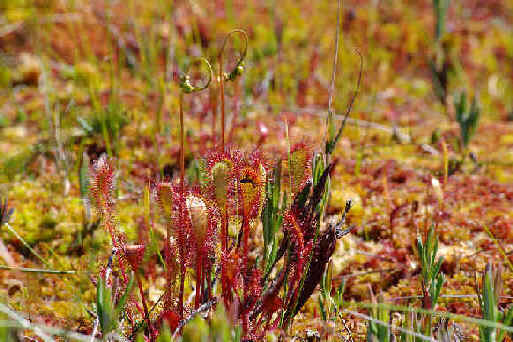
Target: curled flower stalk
[
  {"x": 230, "y": 76},
  {"x": 213, "y": 98},
  {"x": 188, "y": 88}
]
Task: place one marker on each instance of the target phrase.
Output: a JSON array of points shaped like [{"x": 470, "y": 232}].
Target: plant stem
[
  {"x": 245, "y": 269},
  {"x": 236, "y": 105},
  {"x": 143, "y": 300},
  {"x": 213, "y": 104},
  {"x": 230, "y": 76},
  {"x": 11, "y": 229},
  {"x": 224, "y": 237},
  {"x": 182, "y": 151},
  {"x": 34, "y": 270},
  {"x": 182, "y": 283},
  {"x": 221, "y": 87},
  {"x": 183, "y": 204},
  {"x": 198, "y": 281}
]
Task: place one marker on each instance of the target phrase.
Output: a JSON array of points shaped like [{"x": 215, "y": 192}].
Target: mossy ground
[{"x": 62, "y": 62}]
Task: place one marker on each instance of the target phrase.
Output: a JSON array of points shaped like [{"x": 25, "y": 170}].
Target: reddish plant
[
  {"x": 198, "y": 241},
  {"x": 102, "y": 187},
  {"x": 236, "y": 192}
]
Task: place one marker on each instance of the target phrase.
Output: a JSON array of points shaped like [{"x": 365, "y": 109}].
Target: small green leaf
[
  {"x": 104, "y": 306},
  {"x": 122, "y": 301}
]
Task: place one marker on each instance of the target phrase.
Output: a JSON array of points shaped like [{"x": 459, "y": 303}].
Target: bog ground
[{"x": 227, "y": 244}]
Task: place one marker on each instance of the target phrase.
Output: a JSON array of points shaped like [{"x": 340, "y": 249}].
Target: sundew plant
[{"x": 212, "y": 225}]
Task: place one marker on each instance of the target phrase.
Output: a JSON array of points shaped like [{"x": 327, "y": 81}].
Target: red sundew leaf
[
  {"x": 300, "y": 166},
  {"x": 292, "y": 227},
  {"x": 102, "y": 179},
  {"x": 102, "y": 188},
  {"x": 305, "y": 214},
  {"x": 252, "y": 190},
  {"x": 182, "y": 226},
  {"x": 252, "y": 179},
  {"x": 204, "y": 220},
  {"x": 231, "y": 266},
  {"x": 236, "y": 182},
  {"x": 199, "y": 216},
  {"x": 230, "y": 277},
  {"x": 172, "y": 201},
  {"x": 253, "y": 291},
  {"x": 134, "y": 255},
  {"x": 220, "y": 179},
  {"x": 223, "y": 172},
  {"x": 255, "y": 287},
  {"x": 165, "y": 193}
]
